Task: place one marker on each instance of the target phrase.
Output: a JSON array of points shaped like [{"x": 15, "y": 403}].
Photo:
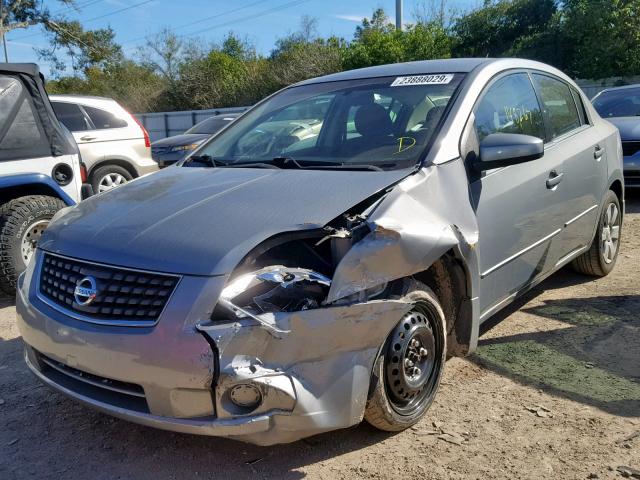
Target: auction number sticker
[{"x": 439, "y": 79}]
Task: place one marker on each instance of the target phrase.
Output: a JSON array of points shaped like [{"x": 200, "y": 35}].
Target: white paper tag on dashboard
[{"x": 437, "y": 79}]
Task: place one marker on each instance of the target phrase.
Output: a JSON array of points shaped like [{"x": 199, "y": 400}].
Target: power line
[
  {"x": 228, "y": 12},
  {"x": 248, "y": 17},
  {"x": 115, "y": 12}
]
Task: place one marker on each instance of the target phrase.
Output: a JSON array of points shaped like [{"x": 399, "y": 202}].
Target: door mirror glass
[{"x": 504, "y": 149}]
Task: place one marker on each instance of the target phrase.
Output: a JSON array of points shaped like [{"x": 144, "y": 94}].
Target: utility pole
[
  {"x": 398, "y": 14},
  {"x": 4, "y": 40}
]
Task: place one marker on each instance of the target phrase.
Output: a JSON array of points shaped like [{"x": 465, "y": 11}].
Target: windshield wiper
[
  {"x": 207, "y": 160},
  {"x": 288, "y": 162}
]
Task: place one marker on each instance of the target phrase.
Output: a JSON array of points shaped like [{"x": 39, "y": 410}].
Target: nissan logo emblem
[{"x": 85, "y": 291}]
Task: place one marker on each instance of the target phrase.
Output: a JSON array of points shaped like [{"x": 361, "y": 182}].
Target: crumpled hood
[
  {"x": 629, "y": 127},
  {"x": 203, "y": 221},
  {"x": 179, "y": 140}
]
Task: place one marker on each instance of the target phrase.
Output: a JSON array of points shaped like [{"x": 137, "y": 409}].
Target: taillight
[
  {"x": 83, "y": 172},
  {"x": 147, "y": 140}
]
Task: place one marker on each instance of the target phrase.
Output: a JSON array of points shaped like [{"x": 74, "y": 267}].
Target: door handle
[
  {"x": 598, "y": 152},
  {"x": 87, "y": 138},
  {"x": 554, "y": 179}
]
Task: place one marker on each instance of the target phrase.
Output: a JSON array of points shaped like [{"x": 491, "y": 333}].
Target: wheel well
[
  {"x": 616, "y": 187},
  {"x": 9, "y": 193},
  {"x": 115, "y": 161},
  {"x": 448, "y": 277}
]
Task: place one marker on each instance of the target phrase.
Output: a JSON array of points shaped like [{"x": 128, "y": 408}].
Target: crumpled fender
[
  {"x": 315, "y": 377},
  {"x": 425, "y": 216}
]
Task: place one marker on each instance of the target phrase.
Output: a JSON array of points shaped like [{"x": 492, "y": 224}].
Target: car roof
[
  {"x": 28, "y": 68},
  {"x": 623, "y": 87},
  {"x": 79, "y": 98},
  {"x": 448, "y": 65}
]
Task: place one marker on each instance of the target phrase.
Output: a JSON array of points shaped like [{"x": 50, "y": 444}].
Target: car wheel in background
[
  {"x": 407, "y": 372},
  {"x": 109, "y": 177},
  {"x": 600, "y": 259},
  {"x": 22, "y": 222}
]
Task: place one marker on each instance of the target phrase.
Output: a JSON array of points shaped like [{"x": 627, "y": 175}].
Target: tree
[
  {"x": 491, "y": 31},
  {"x": 602, "y": 37},
  {"x": 377, "y": 42}
]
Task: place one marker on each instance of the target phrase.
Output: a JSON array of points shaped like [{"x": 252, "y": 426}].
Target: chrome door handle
[
  {"x": 87, "y": 138},
  {"x": 598, "y": 152},
  {"x": 554, "y": 179}
]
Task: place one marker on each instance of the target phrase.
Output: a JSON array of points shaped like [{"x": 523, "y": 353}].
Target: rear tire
[
  {"x": 601, "y": 257},
  {"x": 407, "y": 373},
  {"x": 22, "y": 221},
  {"x": 108, "y": 177}
]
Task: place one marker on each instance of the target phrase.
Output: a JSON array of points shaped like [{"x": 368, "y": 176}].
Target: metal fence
[{"x": 166, "y": 124}]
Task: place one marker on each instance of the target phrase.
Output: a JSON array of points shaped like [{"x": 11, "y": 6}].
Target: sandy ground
[{"x": 552, "y": 392}]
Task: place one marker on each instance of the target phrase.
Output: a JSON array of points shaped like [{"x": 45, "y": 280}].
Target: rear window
[
  {"x": 21, "y": 135},
  {"x": 102, "y": 119},
  {"x": 618, "y": 103},
  {"x": 559, "y": 105}
]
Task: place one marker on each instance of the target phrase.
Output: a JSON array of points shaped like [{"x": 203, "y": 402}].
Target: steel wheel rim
[
  {"x": 610, "y": 233},
  {"x": 111, "y": 181},
  {"x": 30, "y": 239},
  {"x": 412, "y": 361}
]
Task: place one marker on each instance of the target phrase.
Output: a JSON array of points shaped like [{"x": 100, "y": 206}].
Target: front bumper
[{"x": 312, "y": 379}]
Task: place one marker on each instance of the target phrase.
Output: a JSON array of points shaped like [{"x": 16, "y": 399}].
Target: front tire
[
  {"x": 22, "y": 221},
  {"x": 601, "y": 257},
  {"x": 407, "y": 373}
]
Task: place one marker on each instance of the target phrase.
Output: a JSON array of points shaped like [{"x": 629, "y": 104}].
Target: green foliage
[{"x": 585, "y": 38}]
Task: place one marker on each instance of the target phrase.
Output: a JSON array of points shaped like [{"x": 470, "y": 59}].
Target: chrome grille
[{"x": 123, "y": 296}]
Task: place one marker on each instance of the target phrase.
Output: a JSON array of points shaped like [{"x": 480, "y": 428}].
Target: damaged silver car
[{"x": 282, "y": 282}]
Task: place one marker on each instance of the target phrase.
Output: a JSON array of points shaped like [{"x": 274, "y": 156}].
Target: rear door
[
  {"x": 519, "y": 214},
  {"x": 572, "y": 141},
  {"x": 27, "y": 131}
]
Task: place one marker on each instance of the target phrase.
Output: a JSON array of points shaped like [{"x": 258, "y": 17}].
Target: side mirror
[{"x": 504, "y": 149}]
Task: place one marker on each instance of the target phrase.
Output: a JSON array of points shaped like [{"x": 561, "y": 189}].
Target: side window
[
  {"x": 559, "y": 105},
  {"x": 102, "y": 119},
  {"x": 71, "y": 116},
  {"x": 509, "y": 106},
  {"x": 21, "y": 135}
]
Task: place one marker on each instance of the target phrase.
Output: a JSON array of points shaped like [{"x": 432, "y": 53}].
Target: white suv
[{"x": 114, "y": 145}]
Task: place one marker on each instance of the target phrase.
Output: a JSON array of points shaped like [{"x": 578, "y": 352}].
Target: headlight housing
[
  {"x": 275, "y": 289},
  {"x": 182, "y": 148}
]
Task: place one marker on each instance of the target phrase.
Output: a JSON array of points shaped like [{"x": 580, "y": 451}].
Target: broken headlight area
[{"x": 275, "y": 289}]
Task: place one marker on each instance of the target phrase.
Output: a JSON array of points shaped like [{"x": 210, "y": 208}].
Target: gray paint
[{"x": 506, "y": 227}]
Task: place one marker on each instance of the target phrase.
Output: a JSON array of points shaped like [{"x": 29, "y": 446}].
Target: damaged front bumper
[{"x": 233, "y": 379}]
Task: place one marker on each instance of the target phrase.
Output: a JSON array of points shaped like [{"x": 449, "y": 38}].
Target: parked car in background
[
  {"x": 304, "y": 282},
  {"x": 114, "y": 145},
  {"x": 40, "y": 169},
  {"x": 621, "y": 106},
  {"x": 168, "y": 151}
]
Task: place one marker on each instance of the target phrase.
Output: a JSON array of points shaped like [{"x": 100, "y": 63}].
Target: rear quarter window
[{"x": 102, "y": 119}]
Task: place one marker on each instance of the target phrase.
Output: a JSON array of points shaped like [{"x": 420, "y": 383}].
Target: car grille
[
  {"x": 632, "y": 178},
  {"x": 123, "y": 296},
  {"x": 630, "y": 148},
  {"x": 160, "y": 150}
]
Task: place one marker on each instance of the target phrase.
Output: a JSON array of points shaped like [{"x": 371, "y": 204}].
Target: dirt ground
[{"x": 552, "y": 392}]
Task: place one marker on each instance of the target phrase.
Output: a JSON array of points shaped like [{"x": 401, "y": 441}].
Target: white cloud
[{"x": 350, "y": 18}]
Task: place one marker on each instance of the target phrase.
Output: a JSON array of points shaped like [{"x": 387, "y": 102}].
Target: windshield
[
  {"x": 210, "y": 125},
  {"x": 618, "y": 103},
  {"x": 384, "y": 123}
]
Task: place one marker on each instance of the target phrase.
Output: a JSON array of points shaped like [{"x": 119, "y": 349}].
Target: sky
[{"x": 259, "y": 21}]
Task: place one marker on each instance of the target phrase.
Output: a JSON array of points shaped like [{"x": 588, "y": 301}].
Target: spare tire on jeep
[{"x": 22, "y": 221}]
